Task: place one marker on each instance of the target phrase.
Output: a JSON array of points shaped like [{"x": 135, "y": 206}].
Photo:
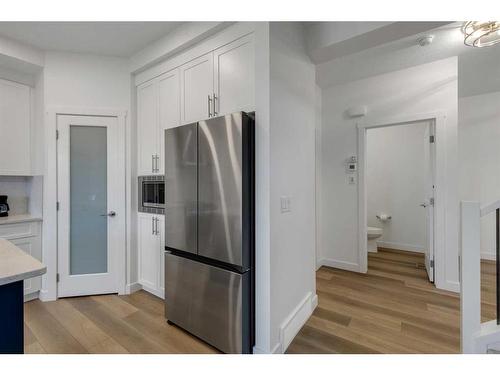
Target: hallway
[{"x": 391, "y": 309}]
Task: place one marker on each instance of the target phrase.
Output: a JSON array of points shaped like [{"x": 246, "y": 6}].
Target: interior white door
[
  {"x": 169, "y": 109},
  {"x": 197, "y": 88},
  {"x": 234, "y": 66},
  {"x": 91, "y": 204},
  {"x": 428, "y": 203},
  {"x": 147, "y": 128}
]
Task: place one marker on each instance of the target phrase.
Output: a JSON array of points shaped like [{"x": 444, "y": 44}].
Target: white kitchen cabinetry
[
  {"x": 158, "y": 108},
  {"x": 151, "y": 248},
  {"x": 15, "y": 128},
  {"x": 197, "y": 89},
  {"x": 234, "y": 76},
  {"x": 220, "y": 82},
  {"x": 25, "y": 235},
  {"x": 170, "y": 109}
]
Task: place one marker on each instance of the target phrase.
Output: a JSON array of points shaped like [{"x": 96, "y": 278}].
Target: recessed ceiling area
[{"x": 121, "y": 39}]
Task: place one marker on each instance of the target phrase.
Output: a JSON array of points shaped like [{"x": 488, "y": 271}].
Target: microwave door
[{"x": 148, "y": 194}]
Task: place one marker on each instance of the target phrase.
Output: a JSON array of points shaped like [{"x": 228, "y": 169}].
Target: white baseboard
[
  {"x": 319, "y": 263},
  {"x": 294, "y": 322},
  {"x": 400, "y": 246},
  {"x": 132, "y": 288},
  {"x": 348, "y": 266},
  {"x": 452, "y": 286},
  {"x": 155, "y": 292},
  {"x": 45, "y": 296},
  {"x": 275, "y": 350},
  {"x": 31, "y": 296},
  {"x": 486, "y": 255}
]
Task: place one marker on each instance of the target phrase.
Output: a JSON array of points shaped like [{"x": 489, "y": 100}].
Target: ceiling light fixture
[{"x": 481, "y": 33}]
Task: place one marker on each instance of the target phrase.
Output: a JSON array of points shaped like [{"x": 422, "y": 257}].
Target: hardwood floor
[
  {"x": 105, "y": 324},
  {"x": 391, "y": 309}
]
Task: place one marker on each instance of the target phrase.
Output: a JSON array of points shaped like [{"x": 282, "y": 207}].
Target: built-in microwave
[{"x": 152, "y": 194}]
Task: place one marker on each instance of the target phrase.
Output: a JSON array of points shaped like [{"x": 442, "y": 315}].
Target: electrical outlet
[{"x": 286, "y": 204}]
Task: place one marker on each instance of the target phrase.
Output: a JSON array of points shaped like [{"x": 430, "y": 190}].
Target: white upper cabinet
[
  {"x": 197, "y": 88},
  {"x": 147, "y": 128},
  {"x": 15, "y": 128},
  {"x": 234, "y": 74},
  {"x": 170, "y": 108}
]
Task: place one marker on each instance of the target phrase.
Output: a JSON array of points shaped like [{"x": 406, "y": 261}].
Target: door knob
[
  {"x": 423, "y": 205},
  {"x": 110, "y": 213}
]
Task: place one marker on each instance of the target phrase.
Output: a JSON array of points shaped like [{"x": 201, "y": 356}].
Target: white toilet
[{"x": 373, "y": 234}]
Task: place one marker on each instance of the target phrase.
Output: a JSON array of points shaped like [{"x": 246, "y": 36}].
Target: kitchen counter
[
  {"x": 23, "y": 218},
  {"x": 15, "y": 267}
]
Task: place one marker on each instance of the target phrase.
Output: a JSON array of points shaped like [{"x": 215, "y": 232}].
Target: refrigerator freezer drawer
[{"x": 209, "y": 302}]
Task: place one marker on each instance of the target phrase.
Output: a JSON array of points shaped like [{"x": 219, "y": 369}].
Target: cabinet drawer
[{"x": 18, "y": 230}]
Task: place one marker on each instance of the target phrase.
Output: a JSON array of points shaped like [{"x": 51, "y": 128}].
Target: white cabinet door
[
  {"x": 31, "y": 246},
  {"x": 161, "y": 282},
  {"x": 15, "y": 113},
  {"x": 149, "y": 244},
  {"x": 147, "y": 128},
  {"x": 234, "y": 66},
  {"x": 197, "y": 88},
  {"x": 169, "y": 108}
]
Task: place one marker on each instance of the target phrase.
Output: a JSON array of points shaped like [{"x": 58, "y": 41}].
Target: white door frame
[
  {"x": 48, "y": 291},
  {"x": 438, "y": 118}
]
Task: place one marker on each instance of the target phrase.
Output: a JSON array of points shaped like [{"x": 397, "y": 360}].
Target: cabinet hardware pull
[
  {"x": 215, "y": 105},
  {"x": 209, "y": 104},
  {"x": 153, "y": 225},
  {"x": 152, "y": 163}
]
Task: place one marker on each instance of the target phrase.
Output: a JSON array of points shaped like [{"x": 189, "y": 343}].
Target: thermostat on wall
[{"x": 351, "y": 167}]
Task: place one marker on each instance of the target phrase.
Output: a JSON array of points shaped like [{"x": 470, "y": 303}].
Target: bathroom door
[
  {"x": 428, "y": 203},
  {"x": 91, "y": 196}
]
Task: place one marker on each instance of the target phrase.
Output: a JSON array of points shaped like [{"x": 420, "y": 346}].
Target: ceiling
[
  {"x": 121, "y": 39},
  {"x": 478, "y": 68}
]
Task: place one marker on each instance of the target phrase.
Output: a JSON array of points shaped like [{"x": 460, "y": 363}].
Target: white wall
[
  {"x": 292, "y": 157},
  {"x": 395, "y": 184},
  {"x": 79, "y": 81},
  {"x": 479, "y": 158},
  {"x": 422, "y": 89}
]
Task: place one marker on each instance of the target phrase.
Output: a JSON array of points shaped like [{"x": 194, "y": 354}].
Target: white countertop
[
  {"x": 24, "y": 218},
  {"x": 16, "y": 265}
]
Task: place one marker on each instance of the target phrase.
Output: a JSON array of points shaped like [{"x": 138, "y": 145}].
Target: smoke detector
[{"x": 425, "y": 40}]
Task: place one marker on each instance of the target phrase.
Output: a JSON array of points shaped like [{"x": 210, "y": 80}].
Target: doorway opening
[
  {"x": 401, "y": 193},
  {"x": 91, "y": 225},
  {"x": 399, "y": 180}
]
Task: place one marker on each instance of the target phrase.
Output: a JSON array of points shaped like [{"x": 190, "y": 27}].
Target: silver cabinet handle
[
  {"x": 215, "y": 106},
  {"x": 152, "y": 163},
  {"x": 209, "y": 104},
  {"x": 156, "y": 226},
  {"x": 153, "y": 225}
]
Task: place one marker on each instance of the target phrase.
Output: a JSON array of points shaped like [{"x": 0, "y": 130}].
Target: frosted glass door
[
  {"x": 88, "y": 200},
  {"x": 91, "y": 195}
]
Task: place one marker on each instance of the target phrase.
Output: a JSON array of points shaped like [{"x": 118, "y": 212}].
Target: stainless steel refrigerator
[{"x": 209, "y": 230}]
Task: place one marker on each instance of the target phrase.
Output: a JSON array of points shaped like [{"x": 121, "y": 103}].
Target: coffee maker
[{"x": 4, "y": 206}]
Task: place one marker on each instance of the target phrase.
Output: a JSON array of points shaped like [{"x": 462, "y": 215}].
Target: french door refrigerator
[{"x": 209, "y": 230}]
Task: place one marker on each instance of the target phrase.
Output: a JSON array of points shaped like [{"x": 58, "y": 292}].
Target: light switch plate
[
  {"x": 351, "y": 180},
  {"x": 286, "y": 204}
]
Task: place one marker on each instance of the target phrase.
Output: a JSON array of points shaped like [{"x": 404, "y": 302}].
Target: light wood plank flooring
[
  {"x": 105, "y": 324},
  {"x": 391, "y": 309}
]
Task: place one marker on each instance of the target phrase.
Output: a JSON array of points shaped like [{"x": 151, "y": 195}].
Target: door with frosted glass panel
[{"x": 90, "y": 216}]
